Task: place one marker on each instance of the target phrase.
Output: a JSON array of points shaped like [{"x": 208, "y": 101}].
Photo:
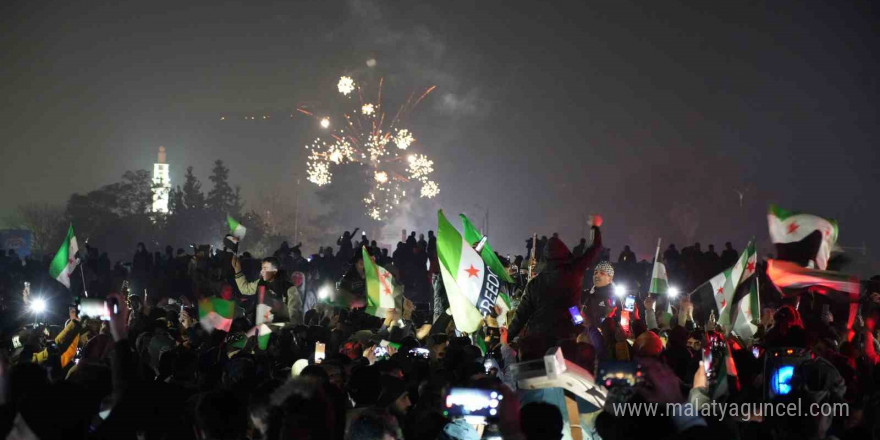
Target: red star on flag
[
  {"x": 793, "y": 227},
  {"x": 383, "y": 280},
  {"x": 720, "y": 290},
  {"x": 472, "y": 271},
  {"x": 723, "y": 303},
  {"x": 750, "y": 267}
]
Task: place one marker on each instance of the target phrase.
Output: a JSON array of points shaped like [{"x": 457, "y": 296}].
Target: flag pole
[
  {"x": 83, "y": 277},
  {"x": 657, "y": 252}
]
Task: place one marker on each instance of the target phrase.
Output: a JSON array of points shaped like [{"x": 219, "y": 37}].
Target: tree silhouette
[{"x": 222, "y": 199}]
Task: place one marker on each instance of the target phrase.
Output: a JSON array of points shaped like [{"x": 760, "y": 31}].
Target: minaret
[{"x": 161, "y": 183}]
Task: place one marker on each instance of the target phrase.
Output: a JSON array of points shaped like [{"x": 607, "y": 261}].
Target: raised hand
[{"x": 236, "y": 264}]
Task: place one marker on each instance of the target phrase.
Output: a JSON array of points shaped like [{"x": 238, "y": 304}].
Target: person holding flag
[
  {"x": 277, "y": 292},
  {"x": 545, "y": 304}
]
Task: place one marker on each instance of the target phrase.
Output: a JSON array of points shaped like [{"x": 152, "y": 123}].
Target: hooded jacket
[{"x": 548, "y": 296}]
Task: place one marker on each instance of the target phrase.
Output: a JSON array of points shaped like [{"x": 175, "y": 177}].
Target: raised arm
[
  {"x": 590, "y": 256},
  {"x": 523, "y": 312},
  {"x": 244, "y": 286}
]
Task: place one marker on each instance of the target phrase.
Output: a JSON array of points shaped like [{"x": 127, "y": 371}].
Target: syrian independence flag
[
  {"x": 235, "y": 228},
  {"x": 65, "y": 260},
  {"x": 791, "y": 280},
  {"x": 264, "y": 311},
  {"x": 795, "y": 234},
  {"x": 471, "y": 286},
  {"x": 381, "y": 294},
  {"x": 263, "y": 333},
  {"x": 724, "y": 293},
  {"x": 216, "y": 313},
  {"x": 473, "y": 236}
]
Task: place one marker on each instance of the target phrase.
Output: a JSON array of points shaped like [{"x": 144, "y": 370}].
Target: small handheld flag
[{"x": 235, "y": 228}]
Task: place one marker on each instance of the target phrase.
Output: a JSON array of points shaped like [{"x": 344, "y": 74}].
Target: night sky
[{"x": 651, "y": 113}]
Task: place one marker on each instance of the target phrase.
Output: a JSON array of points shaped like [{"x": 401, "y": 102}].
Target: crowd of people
[{"x": 155, "y": 368}]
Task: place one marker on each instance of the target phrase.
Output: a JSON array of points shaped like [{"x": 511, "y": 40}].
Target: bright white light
[
  {"x": 620, "y": 290},
  {"x": 345, "y": 85},
  {"x": 325, "y": 122},
  {"x": 368, "y": 109},
  {"x": 381, "y": 176},
  {"x": 38, "y": 305},
  {"x": 371, "y": 62},
  {"x": 403, "y": 139},
  {"x": 324, "y": 292},
  {"x": 420, "y": 166},
  {"x": 672, "y": 292},
  {"x": 430, "y": 190}
]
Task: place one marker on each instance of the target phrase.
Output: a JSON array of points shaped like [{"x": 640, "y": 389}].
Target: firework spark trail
[
  {"x": 367, "y": 143},
  {"x": 430, "y": 89}
]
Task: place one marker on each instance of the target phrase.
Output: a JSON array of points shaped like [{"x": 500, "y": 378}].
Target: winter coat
[
  {"x": 548, "y": 296},
  {"x": 279, "y": 290}
]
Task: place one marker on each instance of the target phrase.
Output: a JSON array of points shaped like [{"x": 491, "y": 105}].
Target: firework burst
[{"x": 375, "y": 139}]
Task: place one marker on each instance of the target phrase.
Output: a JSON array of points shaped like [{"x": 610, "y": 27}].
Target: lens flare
[{"x": 38, "y": 305}]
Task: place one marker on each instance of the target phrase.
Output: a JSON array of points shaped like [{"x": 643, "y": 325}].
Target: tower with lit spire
[{"x": 161, "y": 184}]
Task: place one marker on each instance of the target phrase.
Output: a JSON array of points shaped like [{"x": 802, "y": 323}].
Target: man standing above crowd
[
  {"x": 545, "y": 305},
  {"x": 281, "y": 295}
]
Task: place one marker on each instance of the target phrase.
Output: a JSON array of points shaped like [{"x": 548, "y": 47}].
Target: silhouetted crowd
[{"x": 328, "y": 370}]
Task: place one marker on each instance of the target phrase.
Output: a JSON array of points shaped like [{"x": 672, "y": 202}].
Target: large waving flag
[
  {"x": 65, "y": 260},
  {"x": 473, "y": 235},
  {"x": 744, "y": 310},
  {"x": 792, "y": 231},
  {"x": 381, "y": 294},
  {"x": 726, "y": 291},
  {"x": 472, "y": 287},
  {"x": 791, "y": 279}
]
